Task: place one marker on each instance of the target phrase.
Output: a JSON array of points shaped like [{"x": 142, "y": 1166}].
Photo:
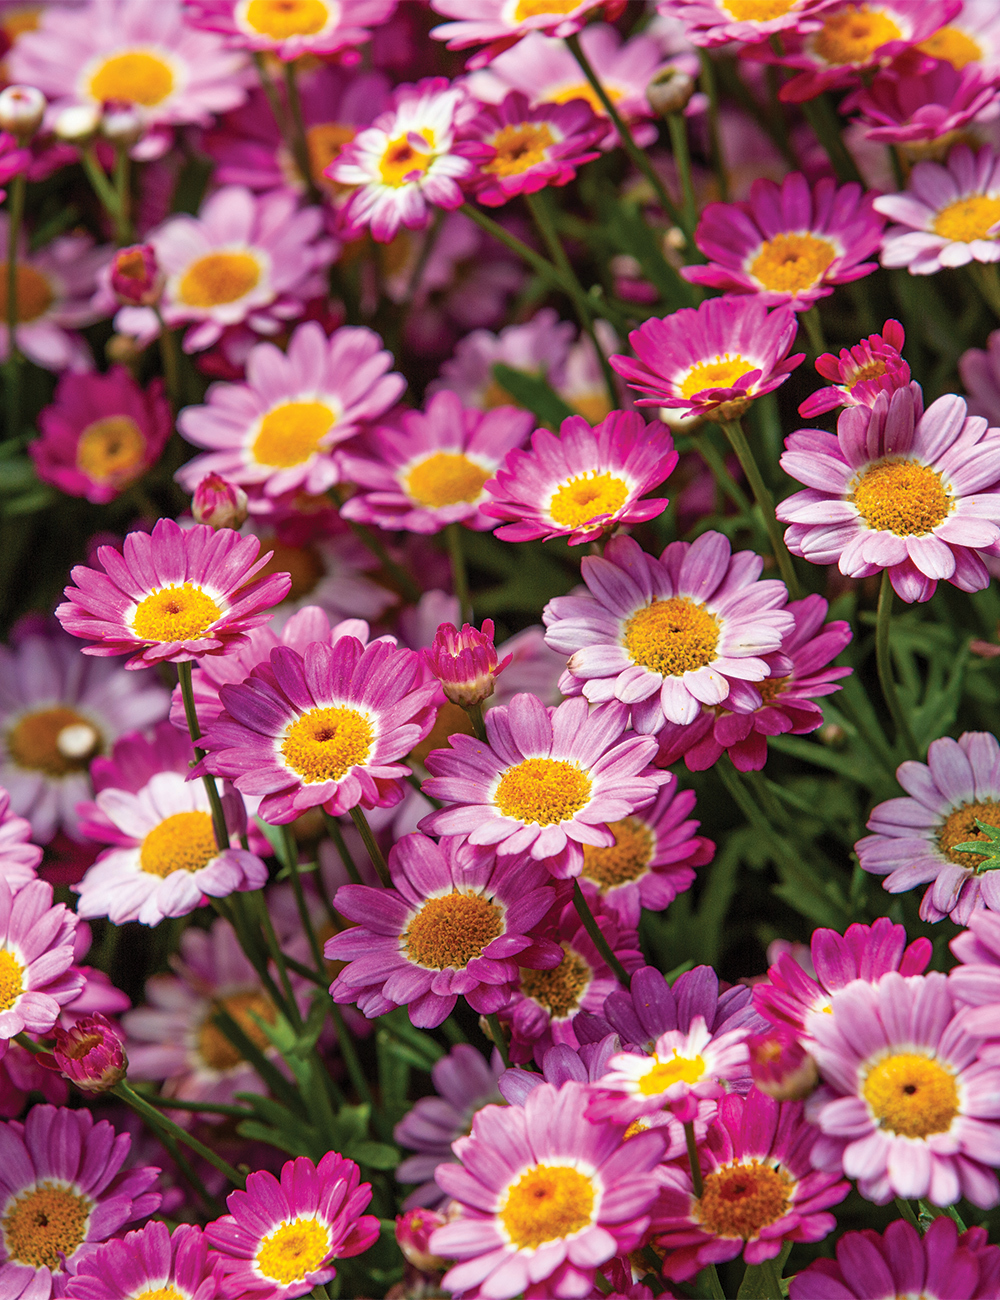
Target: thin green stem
[
  {"x": 708, "y": 1279},
  {"x": 906, "y": 1212},
  {"x": 459, "y": 574},
  {"x": 822, "y": 117},
  {"x": 716, "y": 463},
  {"x": 351, "y": 1059},
  {"x": 340, "y": 844},
  {"x": 524, "y": 251},
  {"x": 274, "y": 948},
  {"x": 677, "y": 125},
  {"x": 733, "y": 430},
  {"x": 213, "y": 1206},
  {"x": 424, "y": 256},
  {"x": 170, "y": 361},
  {"x": 374, "y": 852},
  {"x": 814, "y": 328},
  {"x": 938, "y": 1211},
  {"x": 298, "y": 143},
  {"x": 883, "y": 662},
  {"x": 497, "y": 1038},
  {"x": 191, "y": 714},
  {"x": 106, "y": 193},
  {"x": 291, "y": 855},
  {"x": 475, "y": 712},
  {"x": 711, "y": 90},
  {"x": 271, "y": 91},
  {"x": 198, "y": 1107},
  {"x": 160, "y": 1122},
  {"x": 597, "y": 936},
  {"x": 692, "y": 1149},
  {"x": 123, "y": 195},
  {"x": 12, "y": 395}
]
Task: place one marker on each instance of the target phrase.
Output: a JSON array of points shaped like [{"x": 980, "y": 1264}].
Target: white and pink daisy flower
[
  {"x": 897, "y": 488},
  {"x": 152, "y": 1261},
  {"x": 859, "y": 374},
  {"x": 37, "y": 977},
  {"x": 276, "y": 432},
  {"x": 291, "y": 28}
]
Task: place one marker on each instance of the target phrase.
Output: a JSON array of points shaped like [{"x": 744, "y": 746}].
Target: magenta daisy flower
[
  {"x": 860, "y": 373},
  {"x": 585, "y": 481},
  {"x": 546, "y": 782},
  {"x": 666, "y": 635},
  {"x": 277, "y": 431},
  {"x": 788, "y": 243},
  {"x": 37, "y": 975},
  {"x": 546, "y": 1198},
  {"x": 456, "y": 923},
  {"x": 904, "y": 106},
  {"x": 290, "y": 28},
  {"x": 62, "y": 1192},
  {"x": 174, "y": 594},
  {"x": 280, "y": 1239},
  {"x": 150, "y": 1262},
  {"x": 714, "y": 358},
  {"x": 760, "y": 1189},
  {"x": 909, "y": 1107},
  {"x": 430, "y": 468},
  {"x": 716, "y": 22},
  {"x": 897, "y": 488}
]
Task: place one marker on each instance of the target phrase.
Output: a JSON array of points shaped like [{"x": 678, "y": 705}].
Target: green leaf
[
  {"x": 376, "y": 1155},
  {"x": 534, "y": 394},
  {"x": 989, "y": 849},
  {"x": 763, "y": 1281}
]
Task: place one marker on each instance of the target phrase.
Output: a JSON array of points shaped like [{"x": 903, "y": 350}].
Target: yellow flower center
[
  {"x": 34, "y": 293},
  {"x": 627, "y": 859},
  {"x": 294, "y": 1250},
  {"x": 586, "y": 497},
  {"x": 448, "y": 932},
  {"x": 901, "y": 496},
  {"x": 111, "y": 450},
  {"x": 519, "y": 147},
  {"x": 535, "y": 8},
  {"x": 45, "y": 1222},
  {"x": 183, "y": 842},
  {"x": 790, "y": 263},
  {"x": 675, "y": 1069},
  {"x": 953, "y": 46},
  {"x": 873, "y": 370},
  {"x": 672, "y": 637},
  {"x": 771, "y": 687},
  {"x": 543, "y": 790},
  {"x": 444, "y": 479},
  {"x": 401, "y": 160},
  {"x": 161, "y": 1293},
  {"x": 137, "y": 76},
  {"x": 723, "y": 372},
  {"x": 853, "y": 34},
  {"x": 960, "y": 828},
  {"x": 757, "y": 11},
  {"x": 11, "y": 984},
  {"x": 912, "y": 1095},
  {"x": 584, "y": 90},
  {"x": 303, "y": 564},
  {"x": 969, "y": 218},
  {"x": 217, "y": 279},
  {"x": 214, "y": 1048},
  {"x": 291, "y": 433},
  {"x": 181, "y": 613},
  {"x": 560, "y": 990},
  {"x": 324, "y": 744},
  {"x": 742, "y": 1197},
  {"x": 547, "y": 1202},
  {"x": 281, "y": 19},
  {"x": 38, "y": 742}
]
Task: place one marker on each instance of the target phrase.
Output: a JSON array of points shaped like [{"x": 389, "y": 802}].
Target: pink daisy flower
[
  {"x": 760, "y": 1189},
  {"x": 940, "y": 1265},
  {"x": 174, "y": 594},
  {"x": 788, "y": 243},
  {"x": 949, "y": 214},
  {"x": 276, "y": 432},
  {"x": 101, "y": 433},
  {"x": 503, "y": 23},
  {"x": 546, "y": 783},
  {"x": 36, "y": 959},
  {"x": 62, "y": 1192},
  {"x": 19, "y": 858},
  {"x": 585, "y": 481},
  {"x": 290, "y": 30},
  {"x": 148, "y": 1262},
  {"x": 909, "y": 1106},
  {"x": 904, "y": 106},
  {"x": 429, "y": 469},
  {"x": 897, "y": 488},
  {"x": 546, "y": 1198},
  {"x": 280, "y": 1239},
  {"x": 457, "y": 922},
  {"x": 915, "y": 838},
  {"x": 714, "y": 22},
  {"x": 539, "y": 347},
  {"x": 980, "y": 372},
  {"x": 860, "y": 373},
  {"x": 665, "y": 636},
  {"x": 714, "y": 358}
]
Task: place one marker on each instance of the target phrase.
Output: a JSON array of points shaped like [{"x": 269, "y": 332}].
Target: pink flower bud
[
  {"x": 780, "y": 1065},
  {"x": 135, "y": 276},
  {"x": 90, "y": 1054},
  {"x": 413, "y": 1232},
  {"x": 465, "y": 663},
  {"x": 219, "y": 503}
]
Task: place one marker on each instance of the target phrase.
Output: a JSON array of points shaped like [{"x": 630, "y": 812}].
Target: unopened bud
[
  {"x": 77, "y": 124},
  {"x": 780, "y": 1066},
  {"x": 90, "y": 1054},
  {"x": 413, "y": 1233},
  {"x": 465, "y": 663},
  {"x": 21, "y": 111},
  {"x": 219, "y": 503},
  {"x": 122, "y": 123},
  {"x": 135, "y": 276},
  {"x": 670, "y": 91}
]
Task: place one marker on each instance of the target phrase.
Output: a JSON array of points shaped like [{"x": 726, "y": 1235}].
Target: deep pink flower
[
  {"x": 503, "y": 24},
  {"x": 90, "y": 1053},
  {"x": 465, "y": 663},
  {"x": 860, "y": 373},
  {"x": 905, "y": 105},
  {"x": 219, "y": 503},
  {"x": 152, "y": 1262},
  {"x": 37, "y": 975},
  {"x": 135, "y": 276}
]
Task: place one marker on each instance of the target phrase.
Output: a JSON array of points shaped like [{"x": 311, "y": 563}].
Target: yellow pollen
[
  {"x": 217, "y": 279},
  {"x": 34, "y": 293},
  {"x": 535, "y": 8},
  {"x": 45, "y": 1222},
  {"x": 627, "y": 859},
  {"x": 182, "y": 613},
  {"x": 11, "y": 985},
  {"x": 873, "y": 370},
  {"x": 111, "y": 450},
  {"x": 672, "y": 637},
  {"x": 183, "y": 842},
  {"x": 560, "y": 990},
  {"x": 137, "y": 76},
  {"x": 790, "y": 263},
  {"x": 291, "y": 433},
  {"x": 543, "y": 791},
  {"x": 639, "y": 1125},
  {"x": 587, "y": 497},
  {"x": 742, "y": 1197},
  {"x": 444, "y": 479},
  {"x": 400, "y": 159},
  {"x": 448, "y": 932},
  {"x": 326, "y": 141},
  {"x": 546, "y": 1203},
  {"x": 912, "y": 1095},
  {"x": 281, "y": 19},
  {"x": 584, "y": 90},
  {"x": 33, "y": 742},
  {"x": 303, "y": 564},
  {"x": 214, "y": 1047},
  {"x": 324, "y": 744},
  {"x": 960, "y": 828},
  {"x": 902, "y": 497},
  {"x": 665, "y": 1073},
  {"x": 294, "y": 1250},
  {"x": 969, "y": 218},
  {"x": 770, "y": 687},
  {"x": 519, "y": 147},
  {"x": 161, "y": 1293},
  {"x": 853, "y": 34},
  {"x": 953, "y": 46},
  {"x": 723, "y": 372},
  {"x": 757, "y": 11}
]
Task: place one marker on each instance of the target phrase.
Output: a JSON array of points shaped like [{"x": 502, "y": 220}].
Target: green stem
[
  {"x": 733, "y": 430},
  {"x": 191, "y": 714},
  {"x": 374, "y": 852},
  {"x": 420, "y": 266},
  {"x": 273, "y": 98},
  {"x": 496, "y": 1035},
  {"x": 677, "y": 125},
  {"x": 822, "y": 117},
  {"x": 213, "y": 1206},
  {"x": 475, "y": 712},
  {"x": 987, "y": 279},
  {"x": 199, "y": 1107},
  {"x": 714, "y": 134},
  {"x": 106, "y": 193},
  {"x": 814, "y": 328},
  {"x": 938, "y": 1211},
  {"x": 170, "y": 360},
  {"x": 291, "y": 855},
  {"x": 343, "y": 852},
  {"x": 597, "y": 938},
  {"x": 716, "y": 463},
  {"x": 538, "y": 264},
  {"x": 692, "y": 1149},
  {"x": 351, "y": 1059},
  {"x": 459, "y": 574},
  {"x": 160, "y": 1122},
  {"x": 253, "y": 948},
  {"x": 906, "y": 1212},
  {"x": 123, "y": 195},
  {"x": 18, "y": 188},
  {"x": 298, "y": 142},
  {"x": 277, "y": 956},
  {"x": 883, "y": 662}
]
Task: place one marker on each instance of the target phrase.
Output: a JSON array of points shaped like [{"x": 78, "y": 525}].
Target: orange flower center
[
  {"x": 55, "y": 741},
  {"x": 246, "y": 1008},
  {"x": 757, "y": 11},
  {"x": 184, "y": 841},
  {"x": 444, "y": 479},
  {"x": 281, "y": 19},
  {"x": 519, "y": 147},
  {"x": 46, "y": 1223},
  {"x": 672, "y": 637},
  {"x": 901, "y": 496},
  {"x": 853, "y": 34},
  {"x": 723, "y": 372},
  {"x": 960, "y": 828},
  {"x": 181, "y": 613},
  {"x": 324, "y": 744},
  {"x": 543, "y": 791},
  {"x": 589, "y": 496},
  {"x": 912, "y": 1095},
  {"x": 448, "y": 932},
  {"x": 34, "y": 293},
  {"x": 559, "y": 990},
  {"x": 217, "y": 279},
  {"x": 742, "y": 1197},
  {"x": 953, "y": 46},
  {"x": 291, "y": 433},
  {"x": 535, "y": 8},
  {"x": 665, "y": 1072},
  {"x": 400, "y": 160},
  {"x": 627, "y": 859},
  {"x": 136, "y": 76},
  {"x": 111, "y": 450},
  {"x": 294, "y": 1250},
  {"x": 11, "y": 981},
  {"x": 969, "y": 218},
  {"x": 790, "y": 263},
  {"x": 546, "y": 1203}
]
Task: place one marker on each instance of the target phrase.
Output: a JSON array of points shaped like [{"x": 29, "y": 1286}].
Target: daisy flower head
[
  {"x": 665, "y": 636},
  {"x": 897, "y": 488},
  {"x": 859, "y": 374},
  {"x": 171, "y": 595},
  {"x": 911, "y": 107},
  {"x": 713, "y": 358},
  {"x": 717, "y": 22},
  {"x": 430, "y": 468},
  {"x": 276, "y": 432},
  {"x": 456, "y": 922},
  {"x": 62, "y": 1192},
  {"x": 149, "y": 1262},
  {"x": 290, "y": 28},
  {"x": 545, "y": 783},
  {"x": 37, "y": 975},
  {"x": 280, "y": 1239},
  {"x": 788, "y": 243},
  {"x": 546, "y": 1198},
  {"x": 909, "y": 1103},
  {"x": 503, "y": 23},
  {"x": 585, "y": 481}
]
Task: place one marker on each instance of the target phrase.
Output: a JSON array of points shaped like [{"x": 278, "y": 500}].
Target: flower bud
[
  {"x": 465, "y": 663},
  {"x": 670, "y": 91},
  {"x": 219, "y": 503},
  {"x": 21, "y": 111},
  {"x": 413, "y": 1233},
  {"x": 77, "y": 124},
  {"x": 90, "y": 1054},
  {"x": 122, "y": 123},
  {"x": 780, "y": 1065},
  {"x": 135, "y": 276}
]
